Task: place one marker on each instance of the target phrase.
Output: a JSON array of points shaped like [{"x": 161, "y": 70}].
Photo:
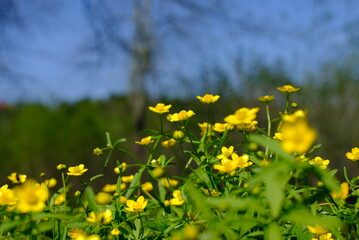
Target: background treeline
[{"x": 35, "y": 138}]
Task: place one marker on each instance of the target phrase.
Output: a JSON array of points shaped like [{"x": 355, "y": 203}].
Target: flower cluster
[{"x": 234, "y": 179}]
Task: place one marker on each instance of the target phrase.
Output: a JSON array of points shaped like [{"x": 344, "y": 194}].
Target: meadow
[{"x": 231, "y": 171}]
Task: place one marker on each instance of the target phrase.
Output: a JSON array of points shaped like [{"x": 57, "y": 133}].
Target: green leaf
[
  {"x": 272, "y": 146},
  {"x": 272, "y": 232},
  {"x": 95, "y": 177},
  {"x": 5, "y": 227},
  {"x": 306, "y": 218},
  {"x": 135, "y": 182},
  {"x": 90, "y": 198}
]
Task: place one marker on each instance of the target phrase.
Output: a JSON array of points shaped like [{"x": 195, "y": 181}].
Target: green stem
[{"x": 269, "y": 125}]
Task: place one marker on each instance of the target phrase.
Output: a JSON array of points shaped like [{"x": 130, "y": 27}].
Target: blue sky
[{"x": 50, "y": 57}]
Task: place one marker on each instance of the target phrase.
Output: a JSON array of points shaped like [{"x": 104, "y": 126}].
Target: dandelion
[
  {"x": 97, "y": 151},
  {"x": 17, "y": 178},
  {"x": 127, "y": 179},
  {"x": 288, "y": 89},
  {"x": 320, "y": 162},
  {"x": 7, "y": 196},
  {"x": 160, "y": 108},
  {"x": 31, "y": 196},
  {"x": 147, "y": 186},
  {"x": 103, "y": 198},
  {"x": 266, "y": 98},
  {"x": 354, "y": 154},
  {"x": 182, "y": 115},
  {"x": 169, "y": 143},
  {"x": 145, "y": 141},
  {"x": 242, "y": 116},
  {"x": 136, "y": 206},
  {"x": 77, "y": 170},
  {"x": 208, "y": 98},
  {"x": 341, "y": 194},
  {"x": 60, "y": 167}
]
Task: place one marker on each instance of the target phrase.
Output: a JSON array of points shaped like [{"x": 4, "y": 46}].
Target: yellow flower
[
  {"x": 157, "y": 172},
  {"x": 7, "y": 196},
  {"x": 288, "y": 89},
  {"x": 211, "y": 192},
  {"x": 354, "y": 154},
  {"x": 169, "y": 143},
  {"x": 60, "y": 166},
  {"x": 182, "y": 115},
  {"x": 226, "y": 166},
  {"x": 208, "y": 98},
  {"x": 123, "y": 199},
  {"x": 145, "y": 141},
  {"x": 178, "y": 134},
  {"x": 104, "y": 217},
  {"x": 297, "y": 136},
  {"x": 325, "y": 236},
  {"x": 317, "y": 229},
  {"x": 242, "y": 116},
  {"x": 320, "y": 162},
  {"x": 206, "y": 129},
  {"x": 249, "y": 126},
  {"x": 50, "y": 183},
  {"x": 341, "y": 194},
  {"x": 226, "y": 152},
  {"x": 266, "y": 98},
  {"x": 17, "y": 178},
  {"x": 127, "y": 179},
  {"x": 168, "y": 183},
  {"x": 279, "y": 136},
  {"x": 160, "y": 108},
  {"x": 221, "y": 127},
  {"x": 92, "y": 237},
  {"x": 77, "y": 170},
  {"x": 31, "y": 196},
  {"x": 241, "y": 161},
  {"x": 109, "y": 188},
  {"x": 176, "y": 200},
  {"x": 97, "y": 151},
  {"x": 75, "y": 233},
  {"x": 115, "y": 232},
  {"x": 136, "y": 206},
  {"x": 60, "y": 199},
  {"x": 103, "y": 198},
  {"x": 147, "y": 186},
  {"x": 77, "y": 193}
]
